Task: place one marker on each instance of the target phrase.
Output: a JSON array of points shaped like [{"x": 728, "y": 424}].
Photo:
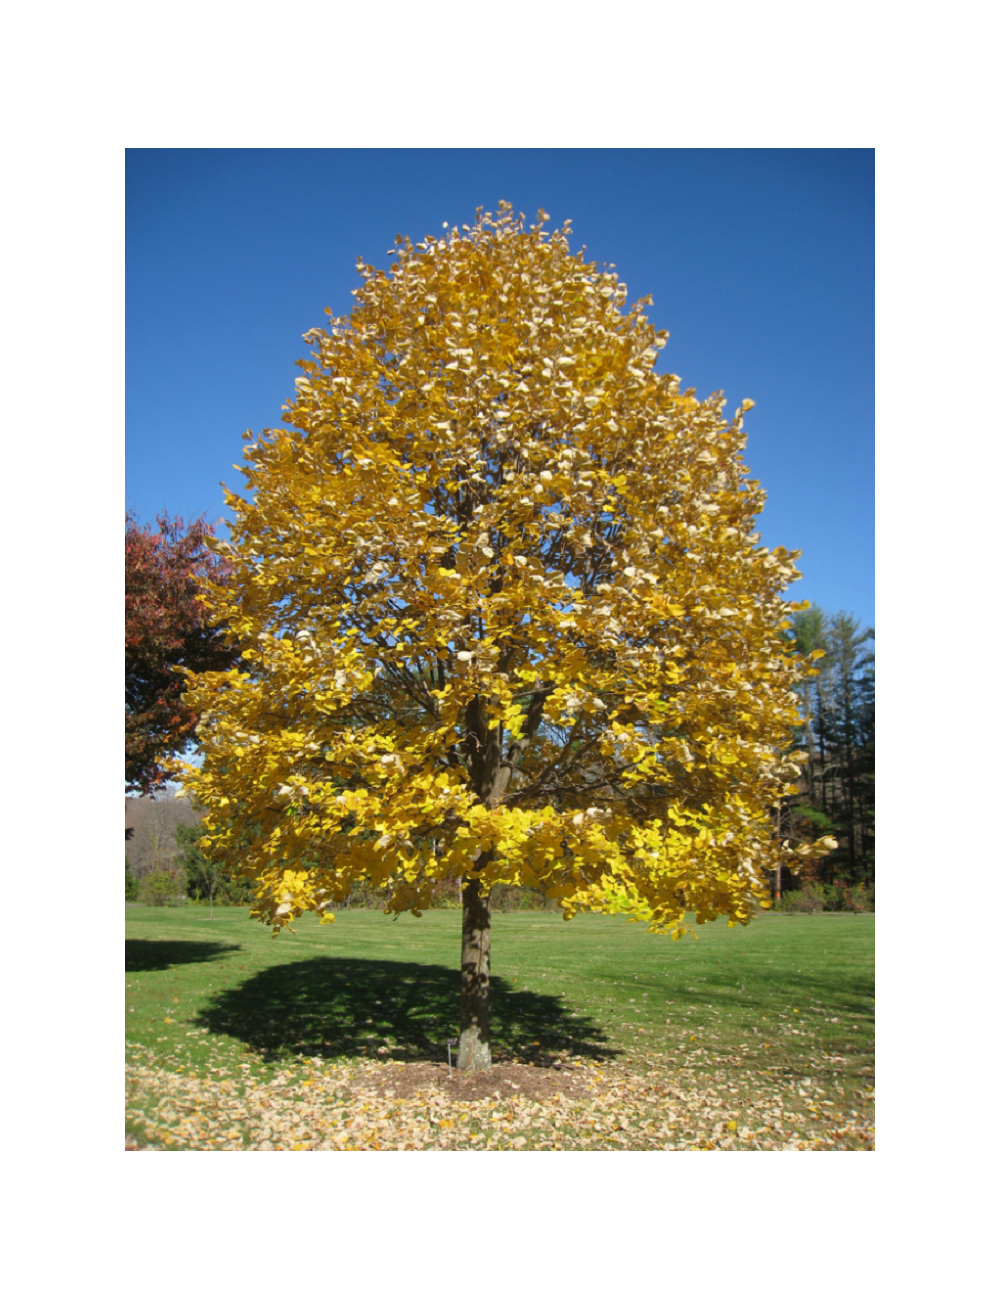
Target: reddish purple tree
[{"x": 166, "y": 624}]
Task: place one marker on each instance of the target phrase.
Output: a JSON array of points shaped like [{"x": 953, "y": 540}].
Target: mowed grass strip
[{"x": 757, "y": 1036}]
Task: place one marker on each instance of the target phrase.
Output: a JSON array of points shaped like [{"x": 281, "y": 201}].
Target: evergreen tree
[{"x": 837, "y": 731}]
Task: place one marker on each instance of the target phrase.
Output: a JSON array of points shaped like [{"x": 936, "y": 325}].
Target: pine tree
[{"x": 837, "y": 730}]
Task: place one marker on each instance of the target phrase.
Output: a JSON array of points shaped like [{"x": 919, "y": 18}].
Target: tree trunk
[
  {"x": 850, "y": 773},
  {"x": 822, "y": 721},
  {"x": 474, "y": 1028},
  {"x": 490, "y": 774}
]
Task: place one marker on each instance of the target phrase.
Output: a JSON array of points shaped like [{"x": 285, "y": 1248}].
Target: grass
[{"x": 783, "y": 1008}]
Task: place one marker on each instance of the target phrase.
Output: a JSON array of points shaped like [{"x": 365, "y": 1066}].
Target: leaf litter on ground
[{"x": 651, "y": 1103}]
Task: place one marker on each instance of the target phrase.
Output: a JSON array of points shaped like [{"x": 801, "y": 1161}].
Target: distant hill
[{"x": 150, "y": 823}]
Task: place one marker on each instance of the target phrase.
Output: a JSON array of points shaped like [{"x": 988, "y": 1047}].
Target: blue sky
[{"x": 761, "y": 265}]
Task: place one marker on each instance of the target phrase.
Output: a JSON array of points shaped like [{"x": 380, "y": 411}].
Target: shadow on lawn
[
  {"x": 160, "y": 954},
  {"x": 332, "y": 1007}
]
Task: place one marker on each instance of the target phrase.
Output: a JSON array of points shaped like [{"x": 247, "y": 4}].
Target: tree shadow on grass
[
  {"x": 161, "y": 954},
  {"x": 334, "y": 1007}
]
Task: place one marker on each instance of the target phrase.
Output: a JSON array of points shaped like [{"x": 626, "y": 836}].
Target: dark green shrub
[
  {"x": 208, "y": 881},
  {"x": 160, "y": 888},
  {"x": 814, "y": 896},
  {"x": 859, "y": 898},
  {"x": 365, "y": 896},
  {"x": 513, "y": 898},
  {"x": 809, "y": 898},
  {"x": 131, "y": 885}
]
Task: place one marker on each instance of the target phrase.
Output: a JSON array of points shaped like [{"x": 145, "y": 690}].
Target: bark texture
[
  {"x": 490, "y": 775},
  {"x": 474, "y": 1033}
]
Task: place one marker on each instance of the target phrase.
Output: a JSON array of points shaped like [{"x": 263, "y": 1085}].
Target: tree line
[{"x": 837, "y": 735}]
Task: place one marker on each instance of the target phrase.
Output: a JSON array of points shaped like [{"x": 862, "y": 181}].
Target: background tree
[
  {"x": 838, "y": 734},
  {"x": 160, "y": 888},
  {"x": 207, "y": 878},
  {"x": 849, "y": 725},
  {"x": 503, "y": 614},
  {"x": 165, "y": 625},
  {"x": 808, "y": 634},
  {"x": 160, "y": 838}
]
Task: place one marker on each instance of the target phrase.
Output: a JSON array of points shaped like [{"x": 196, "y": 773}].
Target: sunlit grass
[{"x": 788, "y": 999}]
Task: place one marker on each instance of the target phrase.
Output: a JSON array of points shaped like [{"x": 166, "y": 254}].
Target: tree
[
  {"x": 502, "y": 612},
  {"x": 207, "y": 878},
  {"x": 808, "y": 634},
  {"x": 204, "y": 876},
  {"x": 160, "y": 888},
  {"x": 838, "y": 731},
  {"x": 165, "y": 625},
  {"x": 160, "y": 838},
  {"x": 851, "y": 727}
]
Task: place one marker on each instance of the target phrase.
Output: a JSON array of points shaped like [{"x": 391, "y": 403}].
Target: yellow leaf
[{"x": 418, "y": 563}]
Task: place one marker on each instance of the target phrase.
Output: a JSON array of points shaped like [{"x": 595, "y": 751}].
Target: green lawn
[{"x": 785, "y": 1005}]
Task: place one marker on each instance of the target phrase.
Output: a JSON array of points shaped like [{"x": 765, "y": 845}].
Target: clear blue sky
[{"x": 761, "y": 265}]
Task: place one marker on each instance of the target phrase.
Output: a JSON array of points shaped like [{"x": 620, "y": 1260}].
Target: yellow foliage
[{"x": 501, "y": 606}]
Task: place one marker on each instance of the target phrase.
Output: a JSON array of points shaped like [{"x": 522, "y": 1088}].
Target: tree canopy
[
  {"x": 165, "y": 625},
  {"x": 502, "y": 611}
]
